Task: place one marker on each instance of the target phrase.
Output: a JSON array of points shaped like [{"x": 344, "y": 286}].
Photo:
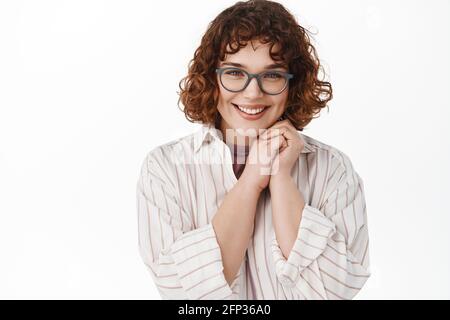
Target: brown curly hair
[{"x": 268, "y": 22}]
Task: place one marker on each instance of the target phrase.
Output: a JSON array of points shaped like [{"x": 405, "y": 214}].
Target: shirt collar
[{"x": 208, "y": 132}]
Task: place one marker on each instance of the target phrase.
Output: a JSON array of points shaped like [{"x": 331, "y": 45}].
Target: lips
[
  {"x": 248, "y": 116},
  {"x": 244, "y": 108}
]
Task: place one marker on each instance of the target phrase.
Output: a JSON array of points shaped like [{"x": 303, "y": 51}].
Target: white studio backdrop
[{"x": 87, "y": 88}]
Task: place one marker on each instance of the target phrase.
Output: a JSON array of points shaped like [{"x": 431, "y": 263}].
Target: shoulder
[
  {"x": 160, "y": 162},
  {"x": 328, "y": 155},
  {"x": 169, "y": 151},
  {"x": 323, "y": 148}
]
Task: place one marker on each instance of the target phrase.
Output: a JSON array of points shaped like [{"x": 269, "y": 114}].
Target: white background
[{"x": 87, "y": 88}]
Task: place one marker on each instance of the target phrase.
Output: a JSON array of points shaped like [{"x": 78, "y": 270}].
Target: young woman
[{"x": 248, "y": 207}]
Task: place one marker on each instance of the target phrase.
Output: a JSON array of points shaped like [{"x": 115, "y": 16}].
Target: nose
[{"x": 253, "y": 90}]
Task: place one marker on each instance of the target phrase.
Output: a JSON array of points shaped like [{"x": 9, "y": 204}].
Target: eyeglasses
[{"x": 271, "y": 82}]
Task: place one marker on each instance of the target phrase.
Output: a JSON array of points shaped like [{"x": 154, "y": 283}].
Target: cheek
[
  {"x": 280, "y": 101},
  {"x": 225, "y": 97},
  {"x": 224, "y": 102},
  {"x": 283, "y": 99}
]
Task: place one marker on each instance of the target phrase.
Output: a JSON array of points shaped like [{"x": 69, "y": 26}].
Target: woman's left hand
[{"x": 291, "y": 146}]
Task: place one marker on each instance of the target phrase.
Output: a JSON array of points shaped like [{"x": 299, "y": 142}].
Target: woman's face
[{"x": 253, "y": 58}]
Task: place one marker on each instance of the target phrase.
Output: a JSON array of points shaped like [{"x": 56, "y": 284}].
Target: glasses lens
[
  {"x": 272, "y": 82},
  {"x": 234, "y": 79}
]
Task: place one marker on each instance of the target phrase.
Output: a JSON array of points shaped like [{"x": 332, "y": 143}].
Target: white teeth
[{"x": 251, "y": 111}]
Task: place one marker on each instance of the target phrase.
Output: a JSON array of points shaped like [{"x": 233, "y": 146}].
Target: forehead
[{"x": 255, "y": 55}]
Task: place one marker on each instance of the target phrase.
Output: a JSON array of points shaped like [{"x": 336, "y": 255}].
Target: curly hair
[{"x": 268, "y": 22}]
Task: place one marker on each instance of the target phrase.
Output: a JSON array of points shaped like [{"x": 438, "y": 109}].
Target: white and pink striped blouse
[{"x": 181, "y": 186}]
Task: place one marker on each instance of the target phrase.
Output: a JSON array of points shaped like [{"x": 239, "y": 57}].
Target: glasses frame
[{"x": 257, "y": 76}]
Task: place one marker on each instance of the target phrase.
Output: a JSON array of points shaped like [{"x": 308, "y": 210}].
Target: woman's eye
[
  {"x": 273, "y": 75},
  {"x": 234, "y": 73}
]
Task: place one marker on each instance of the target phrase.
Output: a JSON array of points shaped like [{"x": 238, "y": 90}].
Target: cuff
[
  {"x": 313, "y": 233},
  {"x": 198, "y": 262}
]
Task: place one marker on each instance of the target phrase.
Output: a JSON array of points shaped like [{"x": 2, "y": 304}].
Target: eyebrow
[{"x": 270, "y": 66}]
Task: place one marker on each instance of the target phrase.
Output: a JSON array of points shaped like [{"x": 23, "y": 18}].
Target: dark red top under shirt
[{"x": 239, "y": 155}]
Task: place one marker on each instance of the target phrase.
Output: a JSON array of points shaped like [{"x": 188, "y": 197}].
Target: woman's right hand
[{"x": 260, "y": 160}]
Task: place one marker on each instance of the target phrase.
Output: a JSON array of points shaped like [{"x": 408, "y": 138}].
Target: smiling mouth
[{"x": 252, "y": 111}]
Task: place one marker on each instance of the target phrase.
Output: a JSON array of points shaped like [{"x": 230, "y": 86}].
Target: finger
[
  {"x": 279, "y": 127},
  {"x": 267, "y": 151},
  {"x": 264, "y": 134},
  {"x": 290, "y": 134},
  {"x": 275, "y": 144},
  {"x": 268, "y": 133},
  {"x": 284, "y": 144},
  {"x": 285, "y": 122},
  {"x": 288, "y": 131},
  {"x": 293, "y": 138},
  {"x": 271, "y": 133}
]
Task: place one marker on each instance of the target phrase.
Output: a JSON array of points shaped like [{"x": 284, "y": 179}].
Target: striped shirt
[{"x": 181, "y": 186}]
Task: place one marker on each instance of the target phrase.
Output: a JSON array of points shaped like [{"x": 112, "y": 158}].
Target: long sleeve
[
  {"x": 330, "y": 257},
  {"x": 185, "y": 263}
]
